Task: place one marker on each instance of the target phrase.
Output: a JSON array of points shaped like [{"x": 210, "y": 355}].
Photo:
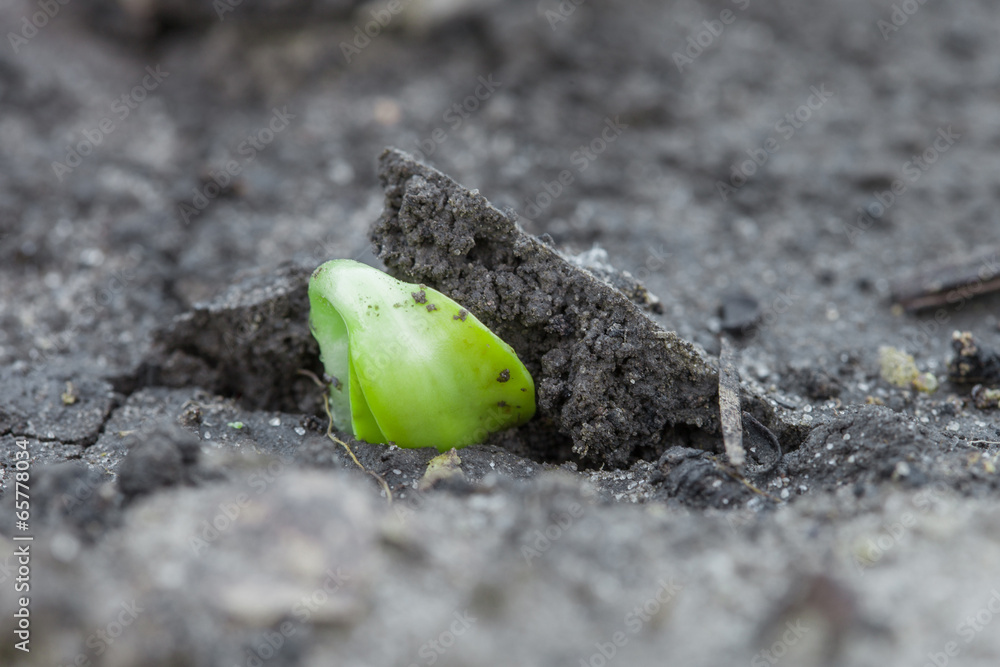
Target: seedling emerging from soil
[{"x": 409, "y": 365}]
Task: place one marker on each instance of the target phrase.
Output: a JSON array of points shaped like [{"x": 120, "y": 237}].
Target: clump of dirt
[
  {"x": 606, "y": 375},
  {"x": 250, "y": 342},
  {"x": 166, "y": 458}
]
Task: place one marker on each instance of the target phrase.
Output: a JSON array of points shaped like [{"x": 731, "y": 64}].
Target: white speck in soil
[
  {"x": 64, "y": 547},
  {"x": 784, "y": 494},
  {"x": 340, "y": 173},
  {"x": 847, "y": 436},
  {"x": 208, "y": 435},
  {"x": 299, "y": 430},
  {"x": 92, "y": 257},
  {"x": 275, "y": 422},
  {"x": 396, "y": 471}
]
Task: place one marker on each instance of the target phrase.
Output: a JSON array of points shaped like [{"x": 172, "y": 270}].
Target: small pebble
[
  {"x": 299, "y": 430},
  {"x": 64, "y": 547},
  {"x": 275, "y": 422},
  {"x": 739, "y": 312},
  {"x": 92, "y": 257}
]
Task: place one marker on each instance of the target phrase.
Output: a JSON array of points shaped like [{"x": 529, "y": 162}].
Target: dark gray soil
[{"x": 609, "y": 187}]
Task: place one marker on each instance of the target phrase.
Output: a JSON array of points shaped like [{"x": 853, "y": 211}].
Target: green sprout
[{"x": 409, "y": 365}]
